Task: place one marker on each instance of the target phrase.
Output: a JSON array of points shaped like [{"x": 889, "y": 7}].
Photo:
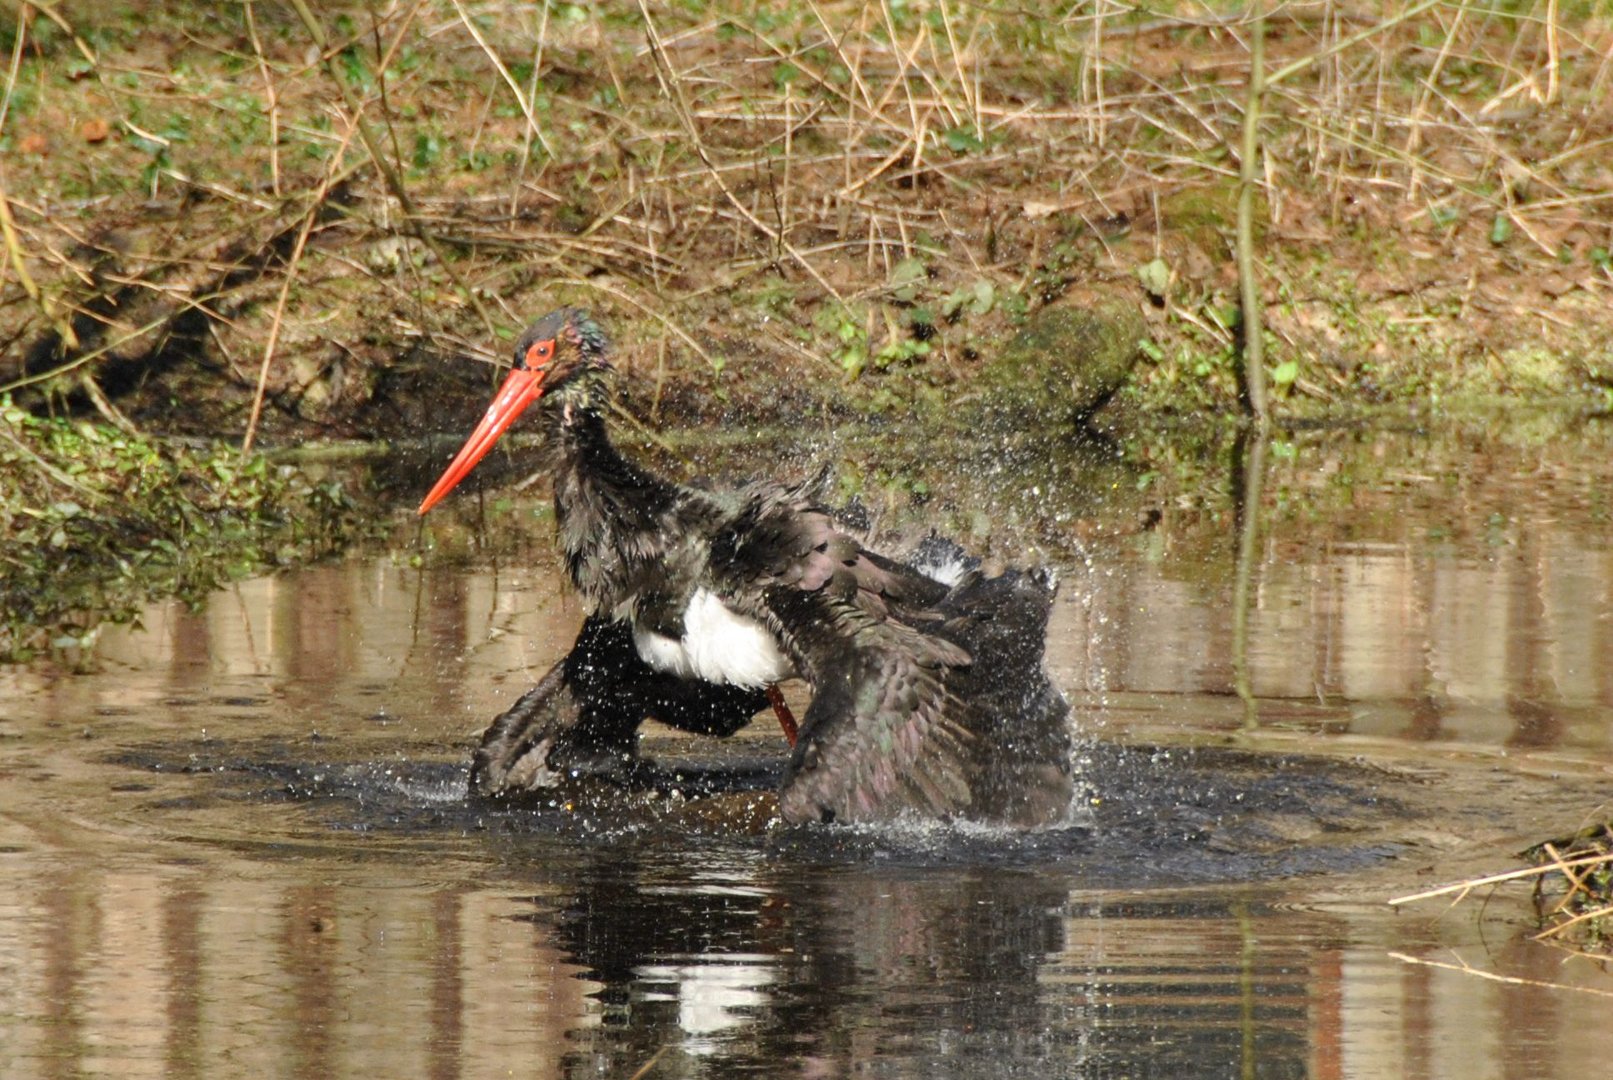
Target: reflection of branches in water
[
  {"x": 1248, "y": 475},
  {"x": 1514, "y": 980}
]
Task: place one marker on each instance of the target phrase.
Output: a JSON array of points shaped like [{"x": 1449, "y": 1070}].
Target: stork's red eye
[{"x": 539, "y": 354}]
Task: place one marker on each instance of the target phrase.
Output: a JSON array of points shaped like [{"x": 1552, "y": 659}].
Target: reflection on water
[
  {"x": 1446, "y": 600},
  {"x": 336, "y": 968},
  {"x": 241, "y": 847}
]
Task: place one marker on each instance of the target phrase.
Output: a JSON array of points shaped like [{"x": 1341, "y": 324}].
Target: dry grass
[
  {"x": 1573, "y": 890},
  {"x": 1575, "y": 895},
  {"x": 802, "y": 190}
]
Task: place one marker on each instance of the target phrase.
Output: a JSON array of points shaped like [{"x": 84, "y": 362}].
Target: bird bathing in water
[{"x": 929, "y": 696}]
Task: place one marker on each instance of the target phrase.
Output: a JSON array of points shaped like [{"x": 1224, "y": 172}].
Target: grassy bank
[
  {"x": 97, "y": 521},
  {"x": 843, "y": 202}
]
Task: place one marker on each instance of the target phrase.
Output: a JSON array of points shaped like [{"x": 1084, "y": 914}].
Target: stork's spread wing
[
  {"x": 877, "y": 740},
  {"x": 883, "y": 733}
]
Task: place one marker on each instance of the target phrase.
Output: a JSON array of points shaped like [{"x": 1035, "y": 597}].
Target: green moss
[
  {"x": 1206, "y": 214},
  {"x": 1535, "y": 370},
  {"x": 95, "y": 522}
]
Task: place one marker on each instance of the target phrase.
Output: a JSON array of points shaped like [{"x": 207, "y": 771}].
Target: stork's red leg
[{"x": 786, "y": 719}]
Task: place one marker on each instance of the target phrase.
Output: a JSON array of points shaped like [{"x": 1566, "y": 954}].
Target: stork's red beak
[{"x": 521, "y": 389}]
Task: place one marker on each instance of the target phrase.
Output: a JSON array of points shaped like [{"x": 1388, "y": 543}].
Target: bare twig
[
  {"x": 19, "y": 263},
  {"x": 1584, "y": 916},
  {"x": 1462, "y": 888},
  {"x": 534, "y": 128},
  {"x": 530, "y": 131},
  {"x": 394, "y": 179},
  {"x": 292, "y": 262},
  {"x": 66, "y": 480},
  {"x": 1429, "y": 83},
  {"x": 272, "y": 99},
  {"x": 82, "y": 359},
  {"x": 674, "y": 91}
]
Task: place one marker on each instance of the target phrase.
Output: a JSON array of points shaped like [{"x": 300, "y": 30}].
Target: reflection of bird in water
[
  {"x": 783, "y": 958},
  {"x": 928, "y": 695}
]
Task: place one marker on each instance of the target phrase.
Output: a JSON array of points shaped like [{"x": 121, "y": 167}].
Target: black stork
[{"x": 928, "y": 691}]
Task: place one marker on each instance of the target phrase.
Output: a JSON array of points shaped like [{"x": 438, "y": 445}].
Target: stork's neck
[{"x": 613, "y": 516}]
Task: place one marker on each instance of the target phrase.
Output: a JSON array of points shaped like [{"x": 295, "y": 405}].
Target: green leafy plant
[{"x": 97, "y": 522}]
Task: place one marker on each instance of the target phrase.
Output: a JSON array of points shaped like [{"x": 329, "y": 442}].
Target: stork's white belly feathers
[{"x": 718, "y": 645}]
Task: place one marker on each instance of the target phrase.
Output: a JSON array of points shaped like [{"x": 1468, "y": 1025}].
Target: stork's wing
[
  {"x": 878, "y": 739},
  {"x": 884, "y": 734}
]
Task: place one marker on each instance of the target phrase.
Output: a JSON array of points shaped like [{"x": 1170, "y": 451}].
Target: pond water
[{"x": 238, "y": 843}]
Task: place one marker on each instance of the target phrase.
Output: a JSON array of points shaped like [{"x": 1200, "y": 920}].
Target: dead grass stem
[
  {"x": 1573, "y": 888},
  {"x": 292, "y": 263}
]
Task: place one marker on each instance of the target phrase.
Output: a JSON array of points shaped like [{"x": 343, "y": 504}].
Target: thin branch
[
  {"x": 292, "y": 263},
  {"x": 394, "y": 179},
  {"x": 1462, "y": 888},
  {"x": 674, "y": 90},
  {"x": 84, "y": 358},
  {"x": 533, "y": 126},
  {"x": 64, "y": 479},
  {"x": 272, "y": 96},
  {"x": 8, "y": 227}
]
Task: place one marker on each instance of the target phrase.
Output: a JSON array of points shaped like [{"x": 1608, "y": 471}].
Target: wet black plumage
[
  {"x": 583, "y": 717},
  {"x": 926, "y": 697}
]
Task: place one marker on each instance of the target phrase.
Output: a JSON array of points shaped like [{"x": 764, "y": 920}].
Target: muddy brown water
[{"x": 240, "y": 843}]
